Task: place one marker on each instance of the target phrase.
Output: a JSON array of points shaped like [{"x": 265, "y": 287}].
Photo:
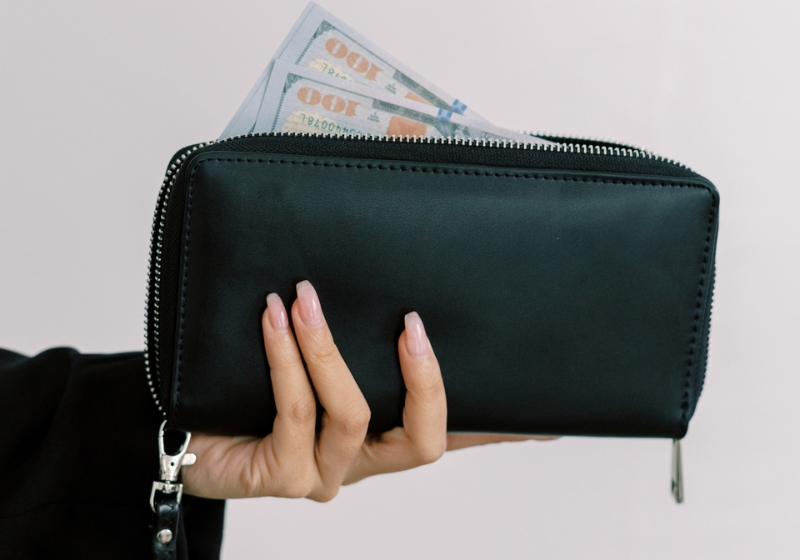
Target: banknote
[
  {"x": 325, "y": 43},
  {"x": 321, "y": 41},
  {"x": 299, "y": 99}
]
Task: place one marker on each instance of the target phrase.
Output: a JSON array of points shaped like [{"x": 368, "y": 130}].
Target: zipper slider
[{"x": 677, "y": 471}]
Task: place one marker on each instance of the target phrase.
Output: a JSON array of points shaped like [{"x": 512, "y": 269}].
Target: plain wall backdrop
[{"x": 95, "y": 97}]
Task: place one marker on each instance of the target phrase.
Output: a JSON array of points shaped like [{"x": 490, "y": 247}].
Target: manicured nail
[
  {"x": 416, "y": 339},
  {"x": 277, "y": 312},
  {"x": 310, "y": 310}
]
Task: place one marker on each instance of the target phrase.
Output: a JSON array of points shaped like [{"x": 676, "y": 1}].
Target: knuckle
[
  {"x": 429, "y": 388},
  {"x": 303, "y": 410},
  {"x": 431, "y": 452},
  {"x": 324, "y": 351},
  {"x": 252, "y": 483},
  {"x": 355, "y": 420},
  {"x": 325, "y": 494}
]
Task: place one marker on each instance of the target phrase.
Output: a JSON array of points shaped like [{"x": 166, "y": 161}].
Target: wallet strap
[{"x": 165, "y": 527}]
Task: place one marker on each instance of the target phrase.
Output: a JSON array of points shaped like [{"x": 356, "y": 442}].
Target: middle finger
[{"x": 346, "y": 416}]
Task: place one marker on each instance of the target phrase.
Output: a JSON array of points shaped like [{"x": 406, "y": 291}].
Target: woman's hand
[{"x": 295, "y": 460}]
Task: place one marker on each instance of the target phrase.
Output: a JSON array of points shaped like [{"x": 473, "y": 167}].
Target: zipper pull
[{"x": 677, "y": 471}]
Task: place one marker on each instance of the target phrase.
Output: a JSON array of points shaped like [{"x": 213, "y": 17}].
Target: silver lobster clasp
[
  {"x": 170, "y": 467},
  {"x": 171, "y": 464}
]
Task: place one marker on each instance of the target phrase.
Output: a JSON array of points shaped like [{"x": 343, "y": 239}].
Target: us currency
[
  {"x": 325, "y": 43},
  {"x": 322, "y": 42},
  {"x": 299, "y": 99}
]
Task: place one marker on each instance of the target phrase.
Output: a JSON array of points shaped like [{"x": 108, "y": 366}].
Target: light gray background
[{"x": 95, "y": 98}]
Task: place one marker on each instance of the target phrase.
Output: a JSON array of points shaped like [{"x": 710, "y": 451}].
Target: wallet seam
[
  {"x": 696, "y": 335},
  {"x": 695, "y": 362}
]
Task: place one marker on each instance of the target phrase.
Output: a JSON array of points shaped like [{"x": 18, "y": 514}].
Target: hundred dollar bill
[
  {"x": 321, "y": 41},
  {"x": 298, "y": 99},
  {"x": 325, "y": 43}
]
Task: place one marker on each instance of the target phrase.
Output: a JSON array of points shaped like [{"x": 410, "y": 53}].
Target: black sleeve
[{"x": 78, "y": 453}]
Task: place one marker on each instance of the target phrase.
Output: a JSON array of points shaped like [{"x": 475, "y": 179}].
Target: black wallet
[{"x": 566, "y": 289}]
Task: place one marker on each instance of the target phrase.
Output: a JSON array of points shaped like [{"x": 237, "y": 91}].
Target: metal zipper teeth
[
  {"x": 652, "y": 155},
  {"x": 160, "y": 214},
  {"x": 621, "y": 150},
  {"x": 546, "y": 135},
  {"x": 154, "y": 266}
]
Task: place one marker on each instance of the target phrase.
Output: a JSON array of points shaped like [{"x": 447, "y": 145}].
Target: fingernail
[
  {"x": 310, "y": 310},
  {"x": 416, "y": 339},
  {"x": 277, "y": 312}
]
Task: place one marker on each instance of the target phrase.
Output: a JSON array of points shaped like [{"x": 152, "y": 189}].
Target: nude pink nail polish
[
  {"x": 416, "y": 339},
  {"x": 277, "y": 312},
  {"x": 310, "y": 309}
]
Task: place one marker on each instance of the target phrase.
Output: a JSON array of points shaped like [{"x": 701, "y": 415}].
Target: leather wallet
[{"x": 566, "y": 289}]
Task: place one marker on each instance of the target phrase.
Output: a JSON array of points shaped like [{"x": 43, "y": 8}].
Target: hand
[{"x": 297, "y": 461}]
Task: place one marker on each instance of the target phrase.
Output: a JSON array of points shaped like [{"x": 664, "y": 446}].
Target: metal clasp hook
[
  {"x": 171, "y": 464},
  {"x": 170, "y": 467}
]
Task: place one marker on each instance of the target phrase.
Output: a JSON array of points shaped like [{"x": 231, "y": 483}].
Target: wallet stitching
[
  {"x": 693, "y": 361},
  {"x": 478, "y": 173},
  {"x": 183, "y": 297}
]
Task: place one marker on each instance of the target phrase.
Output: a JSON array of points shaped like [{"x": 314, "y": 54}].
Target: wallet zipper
[
  {"x": 561, "y": 144},
  {"x": 154, "y": 267}
]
